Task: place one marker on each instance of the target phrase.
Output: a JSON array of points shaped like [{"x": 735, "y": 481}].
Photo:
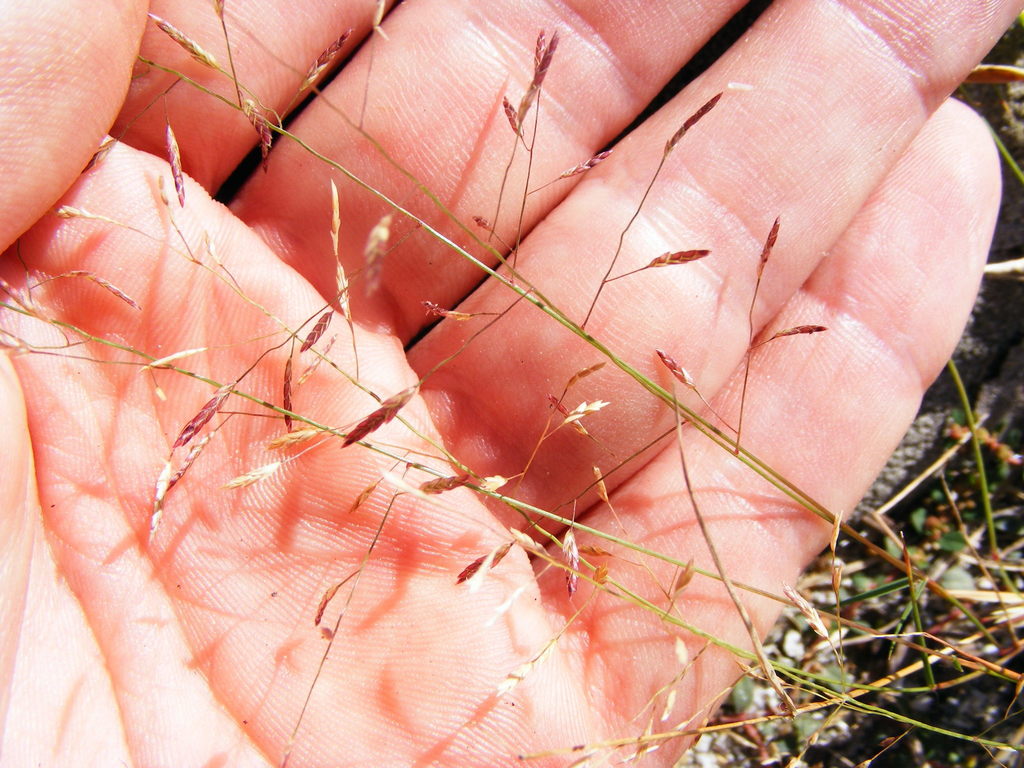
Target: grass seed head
[
  {"x": 193, "y": 48},
  {"x": 317, "y": 330},
  {"x": 105, "y": 284},
  {"x": 253, "y": 476},
  {"x": 260, "y": 122},
  {"x": 683, "y": 578},
  {"x": 543, "y": 55},
  {"x": 602, "y": 489},
  {"x": 586, "y": 165},
  {"x": 300, "y": 435},
  {"x": 324, "y": 60},
  {"x": 510, "y": 114},
  {"x": 582, "y": 374},
  {"x": 808, "y": 610},
  {"x": 492, "y": 483},
  {"x": 286, "y": 397},
  {"x": 364, "y": 494},
  {"x": 475, "y": 571},
  {"x": 676, "y": 369},
  {"x": 571, "y": 552},
  {"x": 387, "y": 411},
  {"x": 690, "y": 122},
  {"x": 766, "y": 251},
  {"x": 584, "y": 409},
  {"x": 335, "y": 219},
  {"x": 438, "y": 311},
  {"x": 527, "y": 543},
  {"x": 174, "y": 158},
  {"x": 373, "y": 253},
  {"x": 678, "y": 257},
  {"x": 799, "y": 329},
  {"x": 207, "y": 412},
  {"x": 328, "y": 595},
  {"x": 442, "y": 484}
]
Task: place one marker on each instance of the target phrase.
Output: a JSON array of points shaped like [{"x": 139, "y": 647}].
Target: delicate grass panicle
[{"x": 414, "y": 499}]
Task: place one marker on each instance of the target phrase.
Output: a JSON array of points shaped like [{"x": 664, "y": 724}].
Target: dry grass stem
[
  {"x": 766, "y": 251},
  {"x": 669, "y": 146},
  {"x": 762, "y": 658},
  {"x": 995, "y": 74}
]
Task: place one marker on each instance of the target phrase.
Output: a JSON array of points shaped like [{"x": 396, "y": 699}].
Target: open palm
[{"x": 198, "y": 647}]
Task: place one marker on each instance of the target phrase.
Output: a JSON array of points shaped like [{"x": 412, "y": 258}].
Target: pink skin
[{"x": 198, "y": 649}]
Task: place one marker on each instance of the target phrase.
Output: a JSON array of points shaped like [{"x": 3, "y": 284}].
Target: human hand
[{"x": 199, "y": 647}]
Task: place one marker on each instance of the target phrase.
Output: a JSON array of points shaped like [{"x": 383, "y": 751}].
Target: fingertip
[
  {"x": 958, "y": 143},
  {"x": 59, "y": 97}
]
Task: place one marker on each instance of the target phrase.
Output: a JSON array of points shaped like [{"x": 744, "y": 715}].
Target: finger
[
  {"x": 825, "y": 412},
  {"x": 59, "y": 93},
  {"x": 799, "y": 145},
  {"x": 273, "y": 45},
  {"x": 429, "y": 96}
]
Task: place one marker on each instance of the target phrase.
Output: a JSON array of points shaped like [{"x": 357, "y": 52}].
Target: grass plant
[{"x": 885, "y": 619}]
